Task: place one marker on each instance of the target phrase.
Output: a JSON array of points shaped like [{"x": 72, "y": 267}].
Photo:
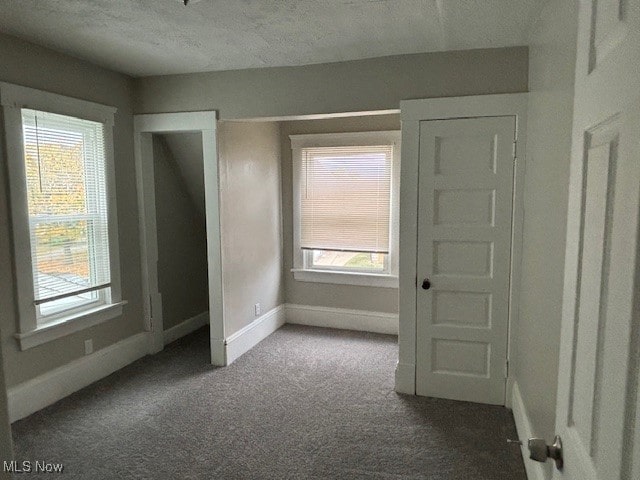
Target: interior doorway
[
  {"x": 153, "y": 135},
  {"x": 460, "y": 245},
  {"x": 464, "y": 254},
  {"x": 182, "y": 235}
]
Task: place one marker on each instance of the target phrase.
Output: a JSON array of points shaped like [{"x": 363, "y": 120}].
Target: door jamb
[
  {"x": 144, "y": 127},
  {"x": 412, "y": 112}
]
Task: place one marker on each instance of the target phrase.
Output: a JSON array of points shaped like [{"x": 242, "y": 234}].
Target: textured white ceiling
[{"x": 156, "y": 37}]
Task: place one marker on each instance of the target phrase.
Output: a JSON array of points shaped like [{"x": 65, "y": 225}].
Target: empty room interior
[{"x": 320, "y": 239}]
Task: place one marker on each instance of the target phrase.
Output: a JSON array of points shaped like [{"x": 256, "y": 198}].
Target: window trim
[
  {"x": 347, "y": 277},
  {"x": 308, "y": 265},
  {"x": 13, "y": 99}
]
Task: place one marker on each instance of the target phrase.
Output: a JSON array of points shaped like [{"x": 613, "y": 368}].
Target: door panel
[
  {"x": 464, "y": 207},
  {"x": 462, "y": 309},
  {"x": 598, "y": 377},
  {"x": 464, "y": 248}
]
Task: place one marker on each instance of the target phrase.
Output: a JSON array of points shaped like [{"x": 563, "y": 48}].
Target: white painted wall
[
  {"x": 550, "y": 111},
  {"x": 250, "y": 220}
]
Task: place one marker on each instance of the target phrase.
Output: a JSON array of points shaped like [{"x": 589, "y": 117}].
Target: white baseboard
[
  {"x": 185, "y": 328},
  {"x": 406, "y": 378},
  {"x": 245, "y": 339},
  {"x": 362, "y": 320},
  {"x": 535, "y": 470},
  {"x": 37, "y": 393}
]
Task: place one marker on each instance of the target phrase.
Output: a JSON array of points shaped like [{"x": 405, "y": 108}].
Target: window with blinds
[
  {"x": 345, "y": 206},
  {"x": 65, "y": 170}
]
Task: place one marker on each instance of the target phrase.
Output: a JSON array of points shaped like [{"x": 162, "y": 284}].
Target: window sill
[
  {"x": 346, "y": 278},
  {"x": 67, "y": 325}
]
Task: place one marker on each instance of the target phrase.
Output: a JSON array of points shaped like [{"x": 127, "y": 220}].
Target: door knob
[
  {"x": 426, "y": 284},
  {"x": 541, "y": 452}
]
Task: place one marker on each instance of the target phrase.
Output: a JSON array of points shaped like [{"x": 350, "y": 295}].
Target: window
[
  {"x": 60, "y": 166},
  {"x": 345, "y": 208},
  {"x": 68, "y": 222}
]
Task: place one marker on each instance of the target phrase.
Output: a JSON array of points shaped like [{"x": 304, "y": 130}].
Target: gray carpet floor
[{"x": 306, "y": 403}]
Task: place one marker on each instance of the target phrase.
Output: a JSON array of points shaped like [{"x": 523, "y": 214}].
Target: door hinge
[
  {"x": 515, "y": 150},
  {"x": 506, "y": 369},
  {"x": 150, "y": 308}
]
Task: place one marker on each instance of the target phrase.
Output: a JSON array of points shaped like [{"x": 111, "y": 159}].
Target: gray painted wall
[
  {"x": 251, "y": 226},
  {"x": 249, "y": 163},
  {"x": 323, "y": 294},
  {"x": 182, "y": 240},
  {"x": 25, "y": 64},
  {"x": 363, "y": 85},
  {"x": 186, "y": 149},
  {"x": 6, "y": 447},
  {"x": 551, "y": 76}
]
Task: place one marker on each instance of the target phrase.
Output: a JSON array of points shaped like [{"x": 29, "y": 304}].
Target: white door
[
  {"x": 465, "y": 192},
  {"x": 597, "y": 411}
]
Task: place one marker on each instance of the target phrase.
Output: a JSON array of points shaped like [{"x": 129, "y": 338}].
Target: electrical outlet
[
  {"x": 257, "y": 309},
  {"x": 88, "y": 346}
]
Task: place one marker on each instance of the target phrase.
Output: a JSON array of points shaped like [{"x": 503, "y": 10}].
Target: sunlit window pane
[{"x": 68, "y": 218}]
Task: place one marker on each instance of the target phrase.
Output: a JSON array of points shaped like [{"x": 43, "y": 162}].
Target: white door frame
[
  {"x": 412, "y": 112},
  {"x": 144, "y": 127}
]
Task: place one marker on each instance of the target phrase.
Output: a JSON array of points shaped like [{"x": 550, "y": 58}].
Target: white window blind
[
  {"x": 346, "y": 198},
  {"x": 68, "y": 215}
]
